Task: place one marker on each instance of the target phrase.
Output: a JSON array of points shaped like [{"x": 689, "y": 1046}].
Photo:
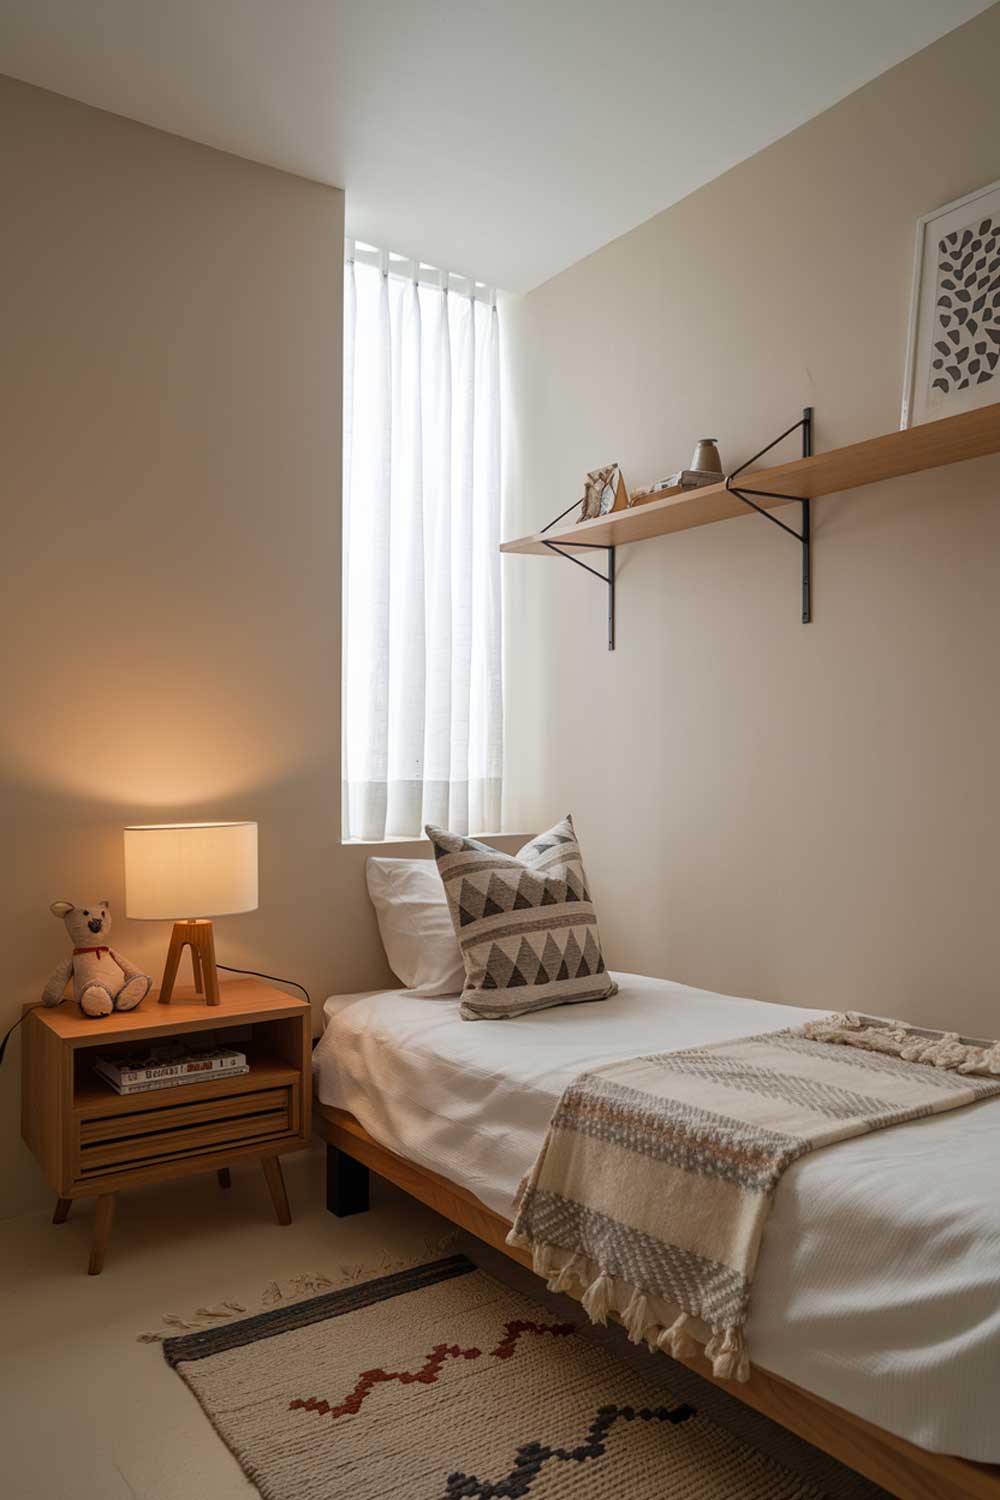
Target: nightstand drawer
[{"x": 168, "y": 1132}]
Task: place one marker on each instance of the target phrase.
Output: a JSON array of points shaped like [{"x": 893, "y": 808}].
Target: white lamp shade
[{"x": 177, "y": 870}]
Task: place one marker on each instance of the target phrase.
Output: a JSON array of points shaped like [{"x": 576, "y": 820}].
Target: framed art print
[
  {"x": 603, "y": 491},
  {"x": 953, "y": 347}
]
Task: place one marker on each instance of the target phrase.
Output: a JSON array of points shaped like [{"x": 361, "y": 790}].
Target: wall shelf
[
  {"x": 970, "y": 434},
  {"x": 951, "y": 440}
]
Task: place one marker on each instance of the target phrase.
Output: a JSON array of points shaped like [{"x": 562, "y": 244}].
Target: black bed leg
[{"x": 346, "y": 1184}]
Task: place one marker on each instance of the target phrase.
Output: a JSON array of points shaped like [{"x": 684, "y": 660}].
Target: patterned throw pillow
[{"x": 525, "y": 925}]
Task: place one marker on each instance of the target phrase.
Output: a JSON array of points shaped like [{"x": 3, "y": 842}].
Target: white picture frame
[{"x": 936, "y": 317}]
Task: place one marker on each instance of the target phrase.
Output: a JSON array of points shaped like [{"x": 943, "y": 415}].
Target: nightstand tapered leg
[
  {"x": 62, "y": 1208},
  {"x": 276, "y": 1186},
  {"x": 102, "y": 1231}
]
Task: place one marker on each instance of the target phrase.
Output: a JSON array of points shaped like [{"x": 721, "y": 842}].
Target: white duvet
[{"x": 878, "y": 1285}]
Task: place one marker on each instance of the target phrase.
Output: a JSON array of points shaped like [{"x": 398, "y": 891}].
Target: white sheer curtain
[{"x": 423, "y": 726}]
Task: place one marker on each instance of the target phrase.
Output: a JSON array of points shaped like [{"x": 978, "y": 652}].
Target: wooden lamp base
[{"x": 200, "y": 938}]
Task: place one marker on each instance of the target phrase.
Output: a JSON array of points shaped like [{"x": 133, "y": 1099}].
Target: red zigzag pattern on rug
[{"x": 428, "y": 1373}]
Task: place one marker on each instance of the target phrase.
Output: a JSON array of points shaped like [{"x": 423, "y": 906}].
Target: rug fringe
[{"x": 295, "y": 1288}]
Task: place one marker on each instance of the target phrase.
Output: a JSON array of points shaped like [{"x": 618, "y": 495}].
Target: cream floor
[{"x": 89, "y": 1413}]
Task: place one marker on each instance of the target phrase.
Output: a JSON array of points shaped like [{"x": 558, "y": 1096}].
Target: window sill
[{"x": 422, "y": 839}]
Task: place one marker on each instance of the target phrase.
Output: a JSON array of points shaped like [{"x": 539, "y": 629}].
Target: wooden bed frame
[{"x": 909, "y": 1472}]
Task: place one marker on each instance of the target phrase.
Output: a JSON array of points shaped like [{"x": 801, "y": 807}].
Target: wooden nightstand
[{"x": 91, "y": 1141}]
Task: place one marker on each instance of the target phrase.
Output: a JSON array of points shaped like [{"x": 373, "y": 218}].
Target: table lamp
[{"x": 190, "y": 872}]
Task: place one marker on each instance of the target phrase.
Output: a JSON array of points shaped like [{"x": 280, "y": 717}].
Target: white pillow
[{"x": 415, "y": 925}]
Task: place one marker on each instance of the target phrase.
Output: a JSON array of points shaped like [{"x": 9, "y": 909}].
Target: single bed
[{"x": 878, "y": 1288}]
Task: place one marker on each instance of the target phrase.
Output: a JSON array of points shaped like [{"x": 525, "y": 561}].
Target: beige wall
[
  {"x": 170, "y": 405},
  {"x": 806, "y": 814}
]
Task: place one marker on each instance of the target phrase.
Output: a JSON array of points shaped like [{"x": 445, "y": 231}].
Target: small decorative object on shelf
[
  {"x": 604, "y": 491},
  {"x": 103, "y": 980},
  {"x": 953, "y": 347},
  {"x": 705, "y": 458},
  {"x": 190, "y": 872}
]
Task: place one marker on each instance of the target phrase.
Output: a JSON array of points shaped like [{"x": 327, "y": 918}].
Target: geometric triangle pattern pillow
[{"x": 525, "y": 923}]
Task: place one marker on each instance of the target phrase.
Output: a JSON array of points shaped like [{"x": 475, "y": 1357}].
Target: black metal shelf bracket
[
  {"x": 748, "y": 496},
  {"x": 606, "y": 578},
  {"x": 803, "y": 537}
]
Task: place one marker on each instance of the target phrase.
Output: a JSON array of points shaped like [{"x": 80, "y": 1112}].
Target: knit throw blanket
[{"x": 652, "y": 1188}]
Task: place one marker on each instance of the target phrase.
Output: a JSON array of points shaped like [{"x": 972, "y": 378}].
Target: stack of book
[
  {"x": 162, "y": 1065},
  {"x": 689, "y": 479},
  {"x": 684, "y": 479}
]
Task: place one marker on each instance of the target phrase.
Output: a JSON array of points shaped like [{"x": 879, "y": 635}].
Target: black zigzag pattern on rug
[{"x": 531, "y": 1458}]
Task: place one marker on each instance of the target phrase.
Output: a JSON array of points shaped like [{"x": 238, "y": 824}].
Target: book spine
[
  {"x": 170, "y": 1070},
  {"x": 169, "y": 1083}
]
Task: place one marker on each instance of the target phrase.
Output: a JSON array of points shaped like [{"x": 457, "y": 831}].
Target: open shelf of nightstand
[{"x": 93, "y": 1098}]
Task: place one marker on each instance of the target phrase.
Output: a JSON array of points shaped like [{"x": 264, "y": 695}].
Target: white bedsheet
[{"x": 878, "y": 1285}]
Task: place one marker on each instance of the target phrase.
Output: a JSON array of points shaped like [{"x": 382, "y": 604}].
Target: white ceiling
[{"x": 502, "y": 139}]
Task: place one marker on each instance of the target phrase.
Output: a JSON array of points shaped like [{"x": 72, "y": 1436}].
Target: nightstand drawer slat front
[
  {"x": 166, "y": 1117},
  {"x": 146, "y": 1149},
  {"x": 162, "y": 1131}
]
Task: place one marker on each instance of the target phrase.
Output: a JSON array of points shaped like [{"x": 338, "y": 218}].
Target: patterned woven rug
[{"x": 440, "y": 1383}]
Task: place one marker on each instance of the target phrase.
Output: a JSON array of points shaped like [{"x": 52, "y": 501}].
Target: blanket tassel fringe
[
  {"x": 601, "y": 1294},
  {"x": 936, "y": 1049},
  {"x": 676, "y": 1341},
  {"x": 636, "y": 1318},
  {"x": 597, "y": 1299},
  {"x": 567, "y": 1278},
  {"x": 728, "y": 1356}
]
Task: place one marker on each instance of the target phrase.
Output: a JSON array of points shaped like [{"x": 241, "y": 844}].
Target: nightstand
[{"x": 91, "y": 1142}]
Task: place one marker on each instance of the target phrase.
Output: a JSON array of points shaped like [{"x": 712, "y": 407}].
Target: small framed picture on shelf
[
  {"x": 603, "y": 491},
  {"x": 953, "y": 347}
]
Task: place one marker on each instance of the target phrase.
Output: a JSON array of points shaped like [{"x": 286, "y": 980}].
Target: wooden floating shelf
[{"x": 971, "y": 434}]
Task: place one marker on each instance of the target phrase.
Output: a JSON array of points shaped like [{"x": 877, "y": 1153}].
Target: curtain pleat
[{"x": 423, "y": 710}]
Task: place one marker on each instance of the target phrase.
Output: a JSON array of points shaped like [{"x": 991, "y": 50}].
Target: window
[{"x": 423, "y": 715}]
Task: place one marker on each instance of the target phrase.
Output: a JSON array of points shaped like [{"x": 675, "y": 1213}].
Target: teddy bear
[{"x": 103, "y": 980}]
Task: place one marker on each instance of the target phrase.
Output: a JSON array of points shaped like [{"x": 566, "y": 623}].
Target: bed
[{"x": 876, "y": 1312}]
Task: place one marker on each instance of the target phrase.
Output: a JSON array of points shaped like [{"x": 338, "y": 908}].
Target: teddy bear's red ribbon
[{"x": 98, "y": 951}]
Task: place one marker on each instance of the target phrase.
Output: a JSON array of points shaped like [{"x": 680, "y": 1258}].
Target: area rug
[{"x": 439, "y": 1383}]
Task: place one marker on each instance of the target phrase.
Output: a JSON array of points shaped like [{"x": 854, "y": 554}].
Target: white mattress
[{"x": 878, "y": 1285}]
